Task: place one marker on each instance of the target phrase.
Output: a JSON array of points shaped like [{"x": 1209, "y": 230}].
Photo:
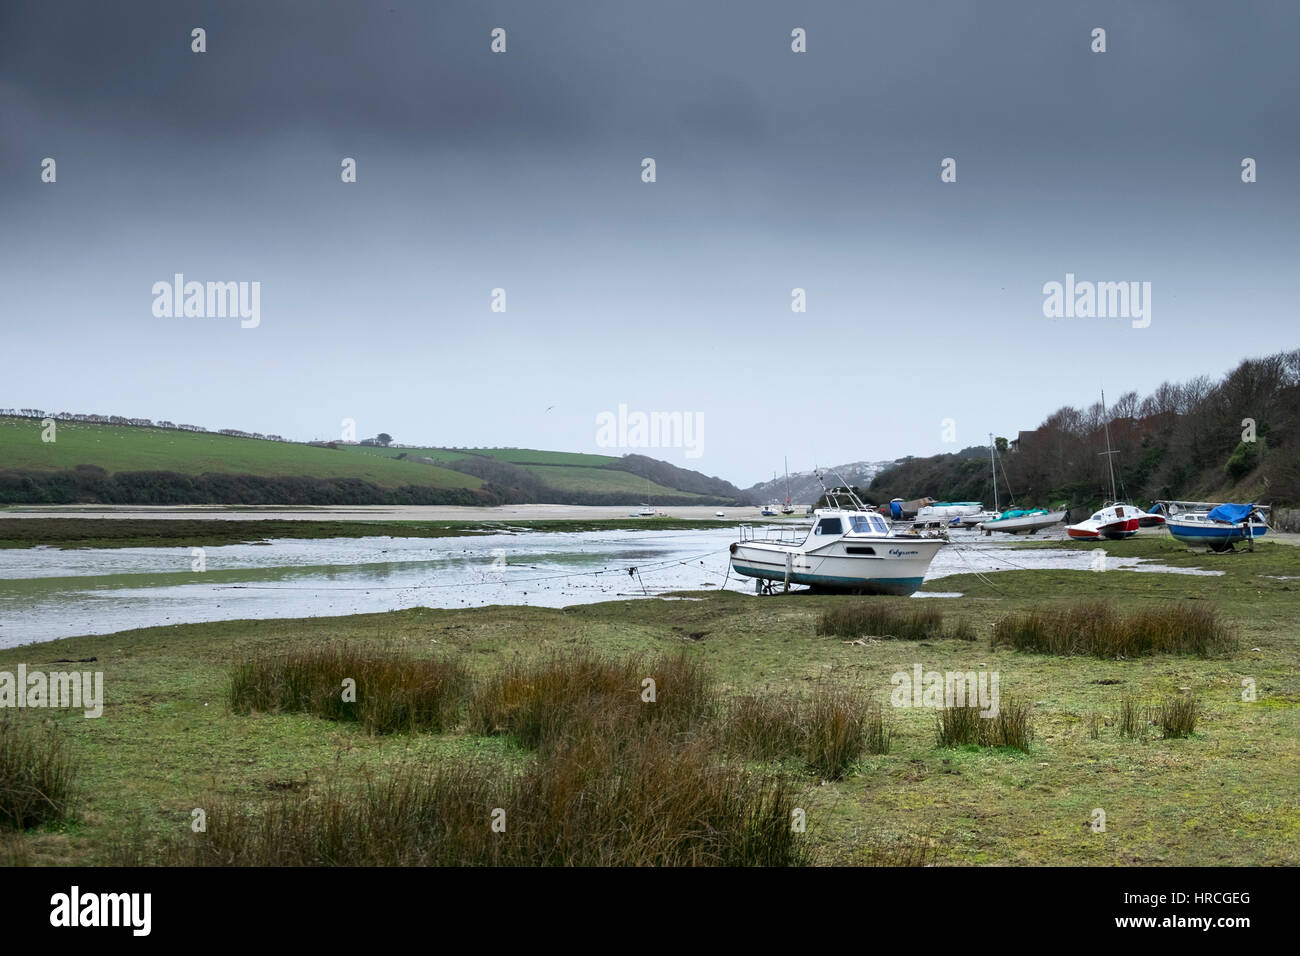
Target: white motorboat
[
  {"x": 946, "y": 510},
  {"x": 971, "y": 520},
  {"x": 946, "y": 514},
  {"x": 846, "y": 549}
]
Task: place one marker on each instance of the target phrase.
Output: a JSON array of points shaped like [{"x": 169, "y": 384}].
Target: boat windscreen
[{"x": 867, "y": 524}]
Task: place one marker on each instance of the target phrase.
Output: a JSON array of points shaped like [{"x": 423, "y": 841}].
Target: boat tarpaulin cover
[
  {"x": 1233, "y": 514},
  {"x": 1023, "y": 512}
]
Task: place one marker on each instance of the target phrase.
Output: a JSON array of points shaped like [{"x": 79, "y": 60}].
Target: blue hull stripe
[{"x": 1212, "y": 534}]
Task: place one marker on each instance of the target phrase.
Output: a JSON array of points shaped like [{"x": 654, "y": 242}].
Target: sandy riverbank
[{"x": 538, "y": 512}]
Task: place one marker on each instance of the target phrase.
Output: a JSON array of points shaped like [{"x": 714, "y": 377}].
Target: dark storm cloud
[{"x": 776, "y": 170}]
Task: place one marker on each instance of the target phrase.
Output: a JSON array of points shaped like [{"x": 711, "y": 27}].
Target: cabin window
[
  {"x": 859, "y": 550},
  {"x": 829, "y": 526},
  {"x": 879, "y": 525}
]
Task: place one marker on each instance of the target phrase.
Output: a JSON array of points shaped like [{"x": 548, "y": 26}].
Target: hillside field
[
  {"x": 132, "y": 448},
  {"x": 117, "y": 448}
]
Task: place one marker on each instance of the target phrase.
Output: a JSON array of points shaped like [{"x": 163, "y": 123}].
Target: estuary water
[{"x": 46, "y": 593}]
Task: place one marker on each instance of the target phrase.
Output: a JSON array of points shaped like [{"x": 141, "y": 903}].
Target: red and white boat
[
  {"x": 1112, "y": 523},
  {"x": 1117, "y": 519}
]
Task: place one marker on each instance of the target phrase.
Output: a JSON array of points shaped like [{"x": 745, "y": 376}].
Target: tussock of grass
[
  {"x": 394, "y": 693},
  {"x": 589, "y": 800},
  {"x": 1010, "y": 727},
  {"x": 36, "y": 775},
  {"x": 962, "y": 630},
  {"x": 1177, "y": 716},
  {"x": 762, "y": 726},
  {"x": 540, "y": 701},
  {"x": 1098, "y": 630},
  {"x": 883, "y": 620},
  {"x": 837, "y": 730},
  {"x": 1132, "y": 718},
  {"x": 830, "y": 731}
]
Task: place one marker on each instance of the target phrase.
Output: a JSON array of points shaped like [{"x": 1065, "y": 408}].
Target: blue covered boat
[{"x": 1219, "y": 528}]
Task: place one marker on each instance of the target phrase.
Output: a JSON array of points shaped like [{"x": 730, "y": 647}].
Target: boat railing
[
  {"x": 770, "y": 535},
  {"x": 1184, "y": 508}
]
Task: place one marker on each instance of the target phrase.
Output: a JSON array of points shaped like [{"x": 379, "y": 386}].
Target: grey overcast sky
[{"x": 522, "y": 170}]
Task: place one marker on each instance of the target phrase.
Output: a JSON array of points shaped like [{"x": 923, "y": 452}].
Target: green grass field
[
  {"x": 563, "y": 471},
  {"x": 128, "y": 448},
  {"x": 168, "y": 743},
  {"x": 529, "y": 456},
  {"x": 118, "y": 448},
  {"x": 570, "y": 478},
  {"x": 512, "y": 456}
]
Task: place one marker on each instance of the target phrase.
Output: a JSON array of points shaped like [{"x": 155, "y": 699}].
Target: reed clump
[
  {"x": 837, "y": 719},
  {"x": 1177, "y": 716},
  {"x": 886, "y": 621},
  {"x": 587, "y": 800},
  {"x": 385, "y": 692},
  {"x": 829, "y": 731},
  {"x": 762, "y": 726},
  {"x": 540, "y": 701},
  {"x": 1132, "y": 718},
  {"x": 1096, "y": 629},
  {"x": 1011, "y": 726},
  {"x": 36, "y": 775}
]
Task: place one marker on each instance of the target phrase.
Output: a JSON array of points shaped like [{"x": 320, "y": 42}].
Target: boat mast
[
  {"x": 787, "y": 481},
  {"x": 1110, "y": 460},
  {"x": 994, "y": 465}
]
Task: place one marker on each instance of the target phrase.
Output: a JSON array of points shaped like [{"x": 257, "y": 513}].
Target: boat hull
[
  {"x": 1026, "y": 524},
  {"x": 896, "y": 566},
  {"x": 1218, "y": 536},
  {"x": 1111, "y": 531}
]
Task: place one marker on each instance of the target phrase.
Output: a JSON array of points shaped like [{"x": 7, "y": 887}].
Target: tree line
[{"x": 1200, "y": 440}]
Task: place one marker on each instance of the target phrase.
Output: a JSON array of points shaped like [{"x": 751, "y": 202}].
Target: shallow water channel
[{"x": 47, "y": 593}]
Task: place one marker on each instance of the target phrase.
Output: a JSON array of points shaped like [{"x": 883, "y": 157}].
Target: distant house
[{"x": 1014, "y": 444}]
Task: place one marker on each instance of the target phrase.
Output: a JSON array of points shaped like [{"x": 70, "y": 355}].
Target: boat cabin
[{"x": 833, "y": 523}]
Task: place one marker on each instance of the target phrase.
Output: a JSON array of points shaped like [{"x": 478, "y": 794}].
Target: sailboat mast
[
  {"x": 994, "y": 465},
  {"x": 1110, "y": 456},
  {"x": 787, "y": 480}
]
